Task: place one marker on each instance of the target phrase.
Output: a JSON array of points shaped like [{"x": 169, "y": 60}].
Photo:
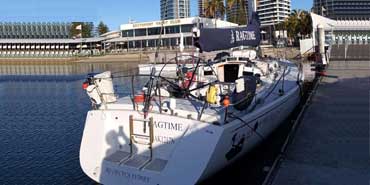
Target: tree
[
  {"x": 298, "y": 24},
  {"x": 306, "y": 24},
  {"x": 214, "y": 9},
  {"x": 102, "y": 28},
  {"x": 86, "y": 32},
  {"x": 241, "y": 16}
]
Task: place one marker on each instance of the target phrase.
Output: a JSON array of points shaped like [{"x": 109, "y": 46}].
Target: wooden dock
[{"x": 331, "y": 144}]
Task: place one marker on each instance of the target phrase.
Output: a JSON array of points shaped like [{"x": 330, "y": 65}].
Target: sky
[{"x": 111, "y": 12}]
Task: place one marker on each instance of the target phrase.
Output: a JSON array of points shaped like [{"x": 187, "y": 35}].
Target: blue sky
[{"x": 112, "y": 12}]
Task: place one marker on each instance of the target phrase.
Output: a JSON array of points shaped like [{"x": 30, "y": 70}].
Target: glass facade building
[
  {"x": 35, "y": 30},
  {"x": 343, "y": 9},
  {"x": 175, "y": 9},
  {"x": 165, "y": 34},
  {"x": 170, "y": 36}
]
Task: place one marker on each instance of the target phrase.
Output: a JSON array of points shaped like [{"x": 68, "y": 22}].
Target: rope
[
  {"x": 300, "y": 72},
  {"x": 231, "y": 115},
  {"x": 276, "y": 84}
]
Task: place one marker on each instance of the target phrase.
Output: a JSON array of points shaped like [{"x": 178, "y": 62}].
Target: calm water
[
  {"x": 40, "y": 129},
  {"x": 42, "y": 120},
  {"x": 41, "y": 124}
]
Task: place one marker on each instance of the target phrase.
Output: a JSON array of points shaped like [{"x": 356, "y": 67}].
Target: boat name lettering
[
  {"x": 130, "y": 176},
  {"x": 164, "y": 139},
  {"x": 238, "y": 36},
  {"x": 169, "y": 125}
]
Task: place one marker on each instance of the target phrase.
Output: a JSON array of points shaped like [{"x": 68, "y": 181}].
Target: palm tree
[
  {"x": 291, "y": 24},
  {"x": 297, "y": 13},
  {"x": 306, "y": 24},
  {"x": 214, "y": 8},
  {"x": 241, "y": 18},
  {"x": 298, "y": 24}
]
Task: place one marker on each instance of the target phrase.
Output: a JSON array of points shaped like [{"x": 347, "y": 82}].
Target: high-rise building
[
  {"x": 201, "y": 8},
  {"x": 273, "y": 12},
  {"x": 343, "y": 9},
  {"x": 175, "y": 9}
]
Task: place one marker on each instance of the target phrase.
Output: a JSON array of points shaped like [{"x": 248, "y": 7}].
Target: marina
[
  {"x": 240, "y": 92},
  {"x": 46, "y": 98}
]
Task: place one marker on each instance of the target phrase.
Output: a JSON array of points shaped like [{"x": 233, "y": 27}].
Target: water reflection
[
  {"x": 62, "y": 68},
  {"x": 40, "y": 131},
  {"x": 43, "y": 110}
]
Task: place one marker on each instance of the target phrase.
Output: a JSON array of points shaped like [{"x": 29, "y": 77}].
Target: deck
[{"x": 331, "y": 143}]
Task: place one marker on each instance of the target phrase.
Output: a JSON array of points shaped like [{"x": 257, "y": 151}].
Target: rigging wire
[
  {"x": 299, "y": 76},
  {"x": 276, "y": 84},
  {"x": 231, "y": 115}
]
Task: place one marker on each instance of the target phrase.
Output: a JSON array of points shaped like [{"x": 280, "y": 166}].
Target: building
[
  {"x": 34, "y": 30},
  {"x": 234, "y": 11},
  {"x": 164, "y": 34},
  {"x": 111, "y": 34},
  {"x": 46, "y": 40},
  {"x": 201, "y": 8},
  {"x": 350, "y": 32},
  {"x": 49, "y": 48},
  {"x": 343, "y": 9},
  {"x": 175, "y": 9},
  {"x": 273, "y": 12}
]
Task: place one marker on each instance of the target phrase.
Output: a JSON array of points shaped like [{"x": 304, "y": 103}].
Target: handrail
[{"x": 306, "y": 52}]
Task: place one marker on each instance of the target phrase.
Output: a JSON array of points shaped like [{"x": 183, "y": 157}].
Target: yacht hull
[{"x": 184, "y": 151}]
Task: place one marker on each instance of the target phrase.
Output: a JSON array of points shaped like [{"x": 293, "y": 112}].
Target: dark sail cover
[{"x": 213, "y": 39}]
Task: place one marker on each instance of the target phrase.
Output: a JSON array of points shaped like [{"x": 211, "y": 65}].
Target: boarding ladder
[{"x": 142, "y": 139}]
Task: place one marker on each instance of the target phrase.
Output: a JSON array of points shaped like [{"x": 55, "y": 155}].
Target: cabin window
[
  {"x": 208, "y": 73},
  {"x": 245, "y": 73}
]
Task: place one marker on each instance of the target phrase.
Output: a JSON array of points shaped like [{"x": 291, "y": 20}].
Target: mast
[{"x": 252, "y": 7}]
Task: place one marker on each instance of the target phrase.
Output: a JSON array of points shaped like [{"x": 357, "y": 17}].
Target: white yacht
[{"x": 182, "y": 129}]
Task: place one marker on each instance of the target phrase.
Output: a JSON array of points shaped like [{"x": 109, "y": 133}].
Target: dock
[{"x": 330, "y": 145}]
